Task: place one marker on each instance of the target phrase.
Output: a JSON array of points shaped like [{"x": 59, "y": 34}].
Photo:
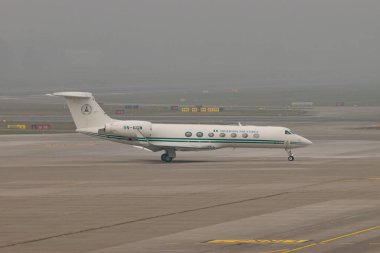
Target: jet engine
[{"x": 129, "y": 128}]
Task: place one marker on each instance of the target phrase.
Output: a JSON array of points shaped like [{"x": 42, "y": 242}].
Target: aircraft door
[
  {"x": 287, "y": 139},
  {"x": 287, "y": 143}
]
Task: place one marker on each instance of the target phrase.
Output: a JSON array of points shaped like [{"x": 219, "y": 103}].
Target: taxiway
[{"x": 72, "y": 193}]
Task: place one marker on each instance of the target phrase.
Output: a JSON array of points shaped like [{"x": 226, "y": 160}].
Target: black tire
[
  {"x": 163, "y": 157},
  {"x": 168, "y": 159},
  {"x": 291, "y": 158}
]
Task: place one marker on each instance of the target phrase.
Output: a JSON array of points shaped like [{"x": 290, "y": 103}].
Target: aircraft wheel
[
  {"x": 291, "y": 158},
  {"x": 163, "y": 157},
  {"x": 168, "y": 159}
]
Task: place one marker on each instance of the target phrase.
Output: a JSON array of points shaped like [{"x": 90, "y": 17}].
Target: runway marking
[
  {"x": 259, "y": 241},
  {"x": 374, "y": 178},
  {"x": 331, "y": 239},
  {"x": 139, "y": 220}
]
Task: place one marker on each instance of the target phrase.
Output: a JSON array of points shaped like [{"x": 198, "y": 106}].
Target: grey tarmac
[{"x": 72, "y": 193}]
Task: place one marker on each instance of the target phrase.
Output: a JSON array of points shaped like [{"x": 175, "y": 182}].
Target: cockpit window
[{"x": 288, "y": 132}]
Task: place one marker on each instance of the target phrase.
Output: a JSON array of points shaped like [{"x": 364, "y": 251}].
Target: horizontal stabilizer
[
  {"x": 72, "y": 94},
  {"x": 85, "y": 111}
]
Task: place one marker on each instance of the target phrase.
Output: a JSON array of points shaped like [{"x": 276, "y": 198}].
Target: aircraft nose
[{"x": 306, "y": 141}]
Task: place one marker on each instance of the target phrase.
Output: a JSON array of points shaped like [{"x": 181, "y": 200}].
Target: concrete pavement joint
[{"x": 139, "y": 220}]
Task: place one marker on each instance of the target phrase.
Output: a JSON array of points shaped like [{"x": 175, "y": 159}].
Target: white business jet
[{"x": 90, "y": 119}]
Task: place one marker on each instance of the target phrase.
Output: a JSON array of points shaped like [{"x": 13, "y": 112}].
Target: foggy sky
[{"x": 88, "y": 44}]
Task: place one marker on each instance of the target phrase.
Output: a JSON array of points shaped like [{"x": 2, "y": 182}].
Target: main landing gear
[
  {"x": 168, "y": 156},
  {"x": 290, "y": 153}
]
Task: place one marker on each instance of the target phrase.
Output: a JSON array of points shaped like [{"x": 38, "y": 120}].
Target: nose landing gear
[
  {"x": 290, "y": 153},
  {"x": 168, "y": 156}
]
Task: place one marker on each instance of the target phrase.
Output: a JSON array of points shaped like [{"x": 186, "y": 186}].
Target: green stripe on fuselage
[{"x": 192, "y": 140}]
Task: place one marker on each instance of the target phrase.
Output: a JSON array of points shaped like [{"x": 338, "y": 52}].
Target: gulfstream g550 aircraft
[{"x": 90, "y": 119}]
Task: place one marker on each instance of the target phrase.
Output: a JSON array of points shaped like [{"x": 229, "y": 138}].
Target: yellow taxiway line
[
  {"x": 260, "y": 241},
  {"x": 292, "y": 242},
  {"x": 348, "y": 235},
  {"x": 331, "y": 239}
]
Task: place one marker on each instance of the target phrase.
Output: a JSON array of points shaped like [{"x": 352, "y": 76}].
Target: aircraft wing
[{"x": 184, "y": 146}]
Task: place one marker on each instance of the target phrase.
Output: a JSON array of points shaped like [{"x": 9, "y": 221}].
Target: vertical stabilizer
[{"x": 86, "y": 112}]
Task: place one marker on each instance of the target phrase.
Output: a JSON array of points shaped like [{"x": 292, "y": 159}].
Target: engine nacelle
[{"x": 129, "y": 128}]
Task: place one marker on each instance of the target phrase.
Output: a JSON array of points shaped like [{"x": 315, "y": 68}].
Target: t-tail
[{"x": 86, "y": 112}]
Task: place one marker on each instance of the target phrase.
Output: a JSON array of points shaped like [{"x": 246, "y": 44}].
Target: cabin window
[
  {"x": 210, "y": 134},
  {"x": 222, "y": 135},
  {"x": 199, "y": 134},
  {"x": 233, "y": 135},
  {"x": 245, "y": 135},
  {"x": 288, "y": 132},
  {"x": 188, "y": 134}
]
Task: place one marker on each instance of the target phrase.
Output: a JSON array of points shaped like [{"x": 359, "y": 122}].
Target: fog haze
[{"x": 93, "y": 44}]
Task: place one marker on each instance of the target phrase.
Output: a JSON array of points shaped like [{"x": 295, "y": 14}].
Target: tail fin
[{"x": 86, "y": 112}]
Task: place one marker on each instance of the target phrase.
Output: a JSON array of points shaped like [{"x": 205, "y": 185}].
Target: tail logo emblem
[{"x": 86, "y": 109}]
